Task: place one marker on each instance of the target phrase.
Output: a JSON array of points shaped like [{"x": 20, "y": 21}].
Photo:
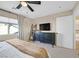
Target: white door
[{"x": 64, "y": 26}]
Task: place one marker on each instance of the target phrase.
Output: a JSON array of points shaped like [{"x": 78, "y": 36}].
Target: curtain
[
  {"x": 20, "y": 22},
  {"x": 24, "y": 28}
]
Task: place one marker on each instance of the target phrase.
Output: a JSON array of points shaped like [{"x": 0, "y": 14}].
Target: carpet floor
[{"x": 57, "y": 52}]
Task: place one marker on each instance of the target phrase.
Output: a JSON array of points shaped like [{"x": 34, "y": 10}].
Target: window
[
  {"x": 8, "y": 26},
  {"x": 3, "y": 29},
  {"x": 13, "y": 29}
]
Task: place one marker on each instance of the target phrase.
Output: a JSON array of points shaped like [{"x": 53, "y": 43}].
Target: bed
[{"x": 16, "y": 48}]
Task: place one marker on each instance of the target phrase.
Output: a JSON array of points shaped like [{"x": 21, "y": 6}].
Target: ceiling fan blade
[
  {"x": 30, "y": 8},
  {"x": 34, "y": 2},
  {"x": 19, "y": 6}
]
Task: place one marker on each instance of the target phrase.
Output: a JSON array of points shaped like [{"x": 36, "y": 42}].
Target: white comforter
[{"x": 8, "y": 51}]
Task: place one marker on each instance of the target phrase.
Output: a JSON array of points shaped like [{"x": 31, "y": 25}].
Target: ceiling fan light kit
[{"x": 23, "y": 3}]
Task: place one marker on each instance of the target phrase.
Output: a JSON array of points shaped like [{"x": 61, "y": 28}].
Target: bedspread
[{"x": 28, "y": 48}]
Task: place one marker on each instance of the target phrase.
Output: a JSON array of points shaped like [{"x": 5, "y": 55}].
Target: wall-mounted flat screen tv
[{"x": 45, "y": 26}]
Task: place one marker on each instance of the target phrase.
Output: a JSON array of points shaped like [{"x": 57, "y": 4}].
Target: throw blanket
[{"x": 28, "y": 48}]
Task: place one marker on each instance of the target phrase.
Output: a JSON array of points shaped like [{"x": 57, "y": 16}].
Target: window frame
[{"x": 9, "y": 24}]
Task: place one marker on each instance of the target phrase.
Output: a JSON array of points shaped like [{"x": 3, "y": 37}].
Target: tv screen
[{"x": 45, "y": 26}]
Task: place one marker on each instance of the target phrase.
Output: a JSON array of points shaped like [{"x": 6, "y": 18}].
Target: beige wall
[
  {"x": 51, "y": 19},
  {"x": 47, "y": 19}
]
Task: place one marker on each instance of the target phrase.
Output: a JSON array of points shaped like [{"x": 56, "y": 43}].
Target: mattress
[{"x": 9, "y": 51}]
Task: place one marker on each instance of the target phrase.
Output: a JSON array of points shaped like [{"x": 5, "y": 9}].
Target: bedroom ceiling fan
[{"x": 26, "y": 3}]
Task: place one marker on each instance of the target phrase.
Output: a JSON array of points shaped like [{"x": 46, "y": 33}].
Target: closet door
[{"x": 64, "y": 26}]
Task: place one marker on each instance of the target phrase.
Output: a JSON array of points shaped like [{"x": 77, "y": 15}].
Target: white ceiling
[{"x": 46, "y": 8}]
